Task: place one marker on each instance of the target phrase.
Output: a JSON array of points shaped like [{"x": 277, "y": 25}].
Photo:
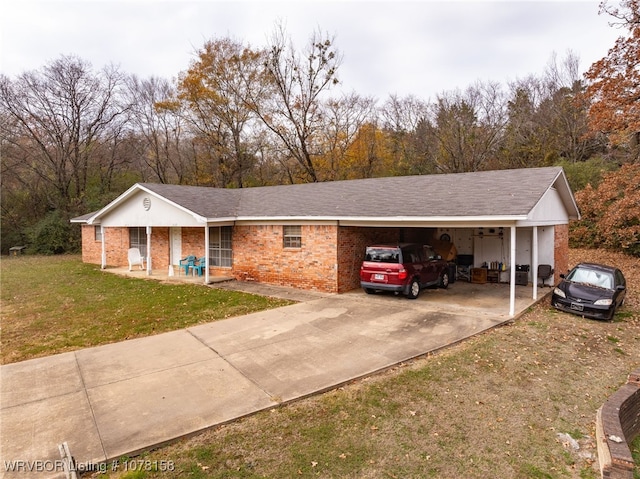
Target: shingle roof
[
  {"x": 202, "y": 200},
  {"x": 477, "y": 194},
  {"x": 485, "y": 193}
]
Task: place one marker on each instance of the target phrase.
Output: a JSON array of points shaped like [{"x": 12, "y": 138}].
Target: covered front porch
[{"x": 170, "y": 275}]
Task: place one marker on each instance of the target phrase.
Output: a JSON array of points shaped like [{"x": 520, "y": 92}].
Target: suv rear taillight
[{"x": 402, "y": 274}]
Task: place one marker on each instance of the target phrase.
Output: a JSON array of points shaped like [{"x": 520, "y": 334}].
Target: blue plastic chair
[
  {"x": 200, "y": 266},
  {"x": 186, "y": 263}
]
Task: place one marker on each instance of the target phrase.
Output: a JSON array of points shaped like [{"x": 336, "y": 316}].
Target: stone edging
[{"x": 617, "y": 425}]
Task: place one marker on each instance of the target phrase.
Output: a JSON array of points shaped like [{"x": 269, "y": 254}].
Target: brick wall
[
  {"x": 160, "y": 248},
  {"x": 561, "y": 251},
  {"x": 352, "y": 242},
  {"x": 259, "y": 255},
  {"x": 117, "y": 245},
  {"x": 91, "y": 248},
  {"x": 617, "y": 425},
  {"x": 193, "y": 242}
]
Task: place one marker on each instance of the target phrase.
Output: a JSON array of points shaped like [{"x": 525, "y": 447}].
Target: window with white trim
[
  {"x": 97, "y": 231},
  {"x": 138, "y": 239},
  {"x": 292, "y": 236},
  {"x": 220, "y": 246}
]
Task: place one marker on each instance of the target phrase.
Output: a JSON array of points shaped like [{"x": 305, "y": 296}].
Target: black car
[{"x": 591, "y": 290}]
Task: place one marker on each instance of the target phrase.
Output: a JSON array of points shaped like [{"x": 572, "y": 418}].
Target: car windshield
[
  {"x": 383, "y": 255},
  {"x": 591, "y": 277}
]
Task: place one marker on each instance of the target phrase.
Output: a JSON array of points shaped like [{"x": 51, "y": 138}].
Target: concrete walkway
[{"x": 125, "y": 397}]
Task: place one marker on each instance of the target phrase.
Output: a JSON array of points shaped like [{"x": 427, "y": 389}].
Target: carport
[
  {"x": 523, "y": 246},
  {"x": 515, "y": 218}
]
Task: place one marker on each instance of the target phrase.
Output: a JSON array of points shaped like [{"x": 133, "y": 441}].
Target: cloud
[{"x": 415, "y": 47}]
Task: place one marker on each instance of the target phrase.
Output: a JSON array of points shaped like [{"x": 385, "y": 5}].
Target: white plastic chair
[{"x": 135, "y": 258}]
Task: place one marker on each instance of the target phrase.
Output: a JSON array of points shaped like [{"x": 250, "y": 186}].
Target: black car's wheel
[
  {"x": 369, "y": 291},
  {"x": 444, "y": 280},
  {"x": 414, "y": 289}
]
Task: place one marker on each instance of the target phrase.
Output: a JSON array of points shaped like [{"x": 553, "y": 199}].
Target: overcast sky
[{"x": 419, "y": 47}]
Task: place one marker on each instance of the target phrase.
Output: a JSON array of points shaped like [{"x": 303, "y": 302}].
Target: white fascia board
[
  {"x": 229, "y": 221},
  {"x": 303, "y": 221},
  {"x": 451, "y": 221},
  {"x": 130, "y": 192},
  {"x": 82, "y": 222},
  {"x": 540, "y": 223},
  {"x": 386, "y": 220},
  {"x": 286, "y": 219}
]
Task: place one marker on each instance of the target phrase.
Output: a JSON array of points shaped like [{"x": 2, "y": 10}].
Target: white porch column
[
  {"x": 171, "y": 253},
  {"x": 512, "y": 273},
  {"x": 534, "y": 266},
  {"x": 148, "y": 250},
  {"x": 206, "y": 254},
  {"x": 103, "y": 252}
]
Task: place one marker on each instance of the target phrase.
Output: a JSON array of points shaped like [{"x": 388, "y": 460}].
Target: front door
[{"x": 176, "y": 245}]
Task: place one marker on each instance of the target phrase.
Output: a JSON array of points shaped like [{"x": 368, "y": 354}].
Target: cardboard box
[
  {"x": 445, "y": 249},
  {"x": 479, "y": 275}
]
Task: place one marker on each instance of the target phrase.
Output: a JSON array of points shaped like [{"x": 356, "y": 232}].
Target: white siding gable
[
  {"x": 550, "y": 210},
  {"x": 145, "y": 209}
]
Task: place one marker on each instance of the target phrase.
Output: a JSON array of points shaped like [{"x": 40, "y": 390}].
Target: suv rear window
[{"x": 383, "y": 255}]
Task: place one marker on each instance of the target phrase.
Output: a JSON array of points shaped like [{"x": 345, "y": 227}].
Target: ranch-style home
[{"x": 313, "y": 236}]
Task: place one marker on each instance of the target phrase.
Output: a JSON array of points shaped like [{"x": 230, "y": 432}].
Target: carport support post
[
  {"x": 512, "y": 274},
  {"x": 534, "y": 266}
]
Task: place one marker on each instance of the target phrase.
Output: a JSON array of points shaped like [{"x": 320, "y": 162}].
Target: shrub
[
  {"x": 610, "y": 213},
  {"x": 52, "y": 235}
]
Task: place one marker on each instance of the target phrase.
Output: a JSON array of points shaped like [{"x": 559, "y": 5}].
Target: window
[
  {"x": 97, "y": 231},
  {"x": 220, "y": 248},
  {"x": 292, "y": 236},
  {"x": 138, "y": 239}
]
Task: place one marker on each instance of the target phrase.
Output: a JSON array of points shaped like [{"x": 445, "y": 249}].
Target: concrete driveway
[{"x": 122, "y": 398}]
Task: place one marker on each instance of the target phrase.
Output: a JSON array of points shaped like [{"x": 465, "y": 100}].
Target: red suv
[{"x": 404, "y": 268}]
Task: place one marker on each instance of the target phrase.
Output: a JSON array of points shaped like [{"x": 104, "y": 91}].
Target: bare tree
[
  {"x": 156, "y": 116},
  {"x": 467, "y": 127},
  {"x": 344, "y": 117},
  {"x": 547, "y": 118},
  {"x": 62, "y": 113},
  {"x": 294, "y": 111},
  {"x": 401, "y": 120}
]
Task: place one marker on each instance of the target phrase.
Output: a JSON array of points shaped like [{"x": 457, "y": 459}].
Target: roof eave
[{"x": 390, "y": 219}]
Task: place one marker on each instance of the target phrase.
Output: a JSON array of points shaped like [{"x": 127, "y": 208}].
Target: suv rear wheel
[
  {"x": 414, "y": 289},
  {"x": 444, "y": 280}
]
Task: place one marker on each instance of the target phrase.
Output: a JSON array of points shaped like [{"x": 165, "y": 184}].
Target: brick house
[{"x": 312, "y": 236}]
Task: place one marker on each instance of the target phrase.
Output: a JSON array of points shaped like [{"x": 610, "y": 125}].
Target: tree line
[{"x": 73, "y": 138}]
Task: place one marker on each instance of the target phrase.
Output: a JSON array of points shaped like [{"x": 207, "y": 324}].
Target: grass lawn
[
  {"x": 54, "y": 304},
  {"x": 498, "y": 405}
]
